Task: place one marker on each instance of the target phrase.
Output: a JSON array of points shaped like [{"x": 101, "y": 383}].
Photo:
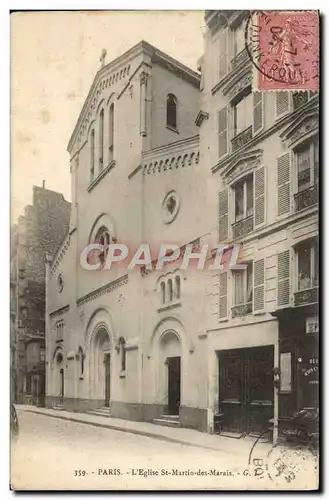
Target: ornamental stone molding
[
  {"x": 107, "y": 81},
  {"x": 60, "y": 254},
  {"x": 179, "y": 160},
  {"x": 300, "y": 128},
  {"x": 233, "y": 89},
  {"x": 109, "y": 287},
  {"x": 243, "y": 164}
]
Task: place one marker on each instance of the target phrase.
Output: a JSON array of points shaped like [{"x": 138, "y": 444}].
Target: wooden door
[
  {"x": 260, "y": 389},
  {"x": 174, "y": 385},
  {"x": 232, "y": 393},
  {"x": 246, "y": 389},
  {"x": 107, "y": 362},
  {"x": 61, "y": 384}
]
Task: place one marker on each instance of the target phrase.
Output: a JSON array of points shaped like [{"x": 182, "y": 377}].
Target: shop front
[{"x": 298, "y": 380}]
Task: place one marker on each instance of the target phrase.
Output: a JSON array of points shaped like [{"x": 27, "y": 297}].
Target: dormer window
[{"x": 171, "y": 112}]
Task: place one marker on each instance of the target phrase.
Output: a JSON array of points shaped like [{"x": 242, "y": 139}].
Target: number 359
[{"x": 80, "y": 472}]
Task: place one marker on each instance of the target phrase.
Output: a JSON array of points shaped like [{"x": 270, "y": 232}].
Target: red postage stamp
[{"x": 284, "y": 49}]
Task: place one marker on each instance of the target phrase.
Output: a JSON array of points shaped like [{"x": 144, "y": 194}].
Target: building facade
[
  {"x": 126, "y": 341},
  {"x": 38, "y": 232},
  {"x": 264, "y": 159},
  {"x": 161, "y": 154}
]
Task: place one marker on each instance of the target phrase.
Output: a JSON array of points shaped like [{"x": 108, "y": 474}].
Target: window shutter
[
  {"x": 259, "y": 280},
  {"x": 283, "y": 284},
  {"x": 223, "y": 215},
  {"x": 223, "y": 49},
  {"x": 283, "y": 183},
  {"x": 258, "y": 112},
  {"x": 222, "y": 132},
  {"x": 223, "y": 296},
  {"x": 259, "y": 196},
  {"x": 281, "y": 103}
]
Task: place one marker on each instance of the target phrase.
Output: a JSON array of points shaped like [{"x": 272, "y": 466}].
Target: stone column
[{"x": 143, "y": 108}]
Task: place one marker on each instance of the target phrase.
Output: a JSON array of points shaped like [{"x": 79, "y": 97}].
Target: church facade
[{"x": 125, "y": 342}]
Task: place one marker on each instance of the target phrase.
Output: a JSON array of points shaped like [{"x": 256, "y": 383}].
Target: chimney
[{"x": 43, "y": 184}]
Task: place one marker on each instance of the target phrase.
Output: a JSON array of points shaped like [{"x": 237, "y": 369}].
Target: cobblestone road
[{"x": 51, "y": 453}]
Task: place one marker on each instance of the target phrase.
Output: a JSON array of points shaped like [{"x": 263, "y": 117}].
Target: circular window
[
  {"x": 170, "y": 206},
  {"x": 60, "y": 283}
]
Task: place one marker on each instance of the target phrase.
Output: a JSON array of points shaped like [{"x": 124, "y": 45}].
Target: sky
[{"x": 54, "y": 58}]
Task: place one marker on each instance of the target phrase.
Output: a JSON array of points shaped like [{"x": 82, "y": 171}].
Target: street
[{"x": 51, "y": 453}]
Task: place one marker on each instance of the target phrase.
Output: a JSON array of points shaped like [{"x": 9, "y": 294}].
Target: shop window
[{"x": 285, "y": 372}]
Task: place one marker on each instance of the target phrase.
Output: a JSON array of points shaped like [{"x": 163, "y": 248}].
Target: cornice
[
  {"x": 232, "y": 76},
  {"x": 277, "y": 225},
  {"x": 242, "y": 163},
  {"x": 171, "y": 147},
  {"x": 61, "y": 310},
  {"x": 101, "y": 176},
  {"x": 109, "y": 287},
  {"x": 238, "y": 84},
  {"x": 60, "y": 253},
  {"x": 300, "y": 127}
]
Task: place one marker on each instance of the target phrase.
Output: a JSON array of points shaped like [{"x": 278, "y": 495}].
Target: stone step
[
  {"x": 166, "y": 422},
  {"x": 170, "y": 417},
  {"x": 58, "y": 407},
  {"x": 103, "y": 412}
]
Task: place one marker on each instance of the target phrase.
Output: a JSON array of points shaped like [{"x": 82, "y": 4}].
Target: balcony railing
[
  {"x": 241, "y": 310},
  {"x": 308, "y": 296},
  {"x": 239, "y": 58},
  {"x": 241, "y": 139},
  {"x": 306, "y": 198},
  {"x": 243, "y": 226}
]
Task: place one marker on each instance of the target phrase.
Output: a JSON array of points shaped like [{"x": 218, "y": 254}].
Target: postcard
[{"x": 164, "y": 257}]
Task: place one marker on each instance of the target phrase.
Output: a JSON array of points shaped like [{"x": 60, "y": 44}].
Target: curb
[{"x": 130, "y": 431}]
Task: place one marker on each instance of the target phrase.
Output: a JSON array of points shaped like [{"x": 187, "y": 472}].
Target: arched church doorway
[
  {"x": 171, "y": 354},
  {"x": 101, "y": 366}
]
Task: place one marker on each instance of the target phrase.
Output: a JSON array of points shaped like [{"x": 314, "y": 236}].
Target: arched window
[
  {"x": 101, "y": 140},
  {"x": 81, "y": 359},
  {"x": 111, "y": 133},
  {"x": 170, "y": 290},
  {"x": 103, "y": 238},
  {"x": 177, "y": 287},
  {"x": 163, "y": 292},
  {"x": 122, "y": 344},
  {"x": 171, "y": 111},
  {"x": 92, "y": 155}
]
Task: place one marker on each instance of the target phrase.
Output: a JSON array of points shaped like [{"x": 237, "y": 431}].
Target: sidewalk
[{"x": 187, "y": 437}]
